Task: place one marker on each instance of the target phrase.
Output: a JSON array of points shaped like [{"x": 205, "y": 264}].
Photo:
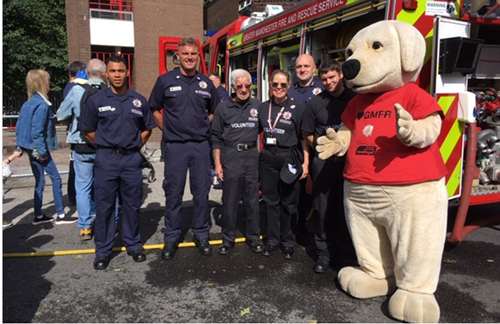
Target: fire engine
[{"x": 461, "y": 69}]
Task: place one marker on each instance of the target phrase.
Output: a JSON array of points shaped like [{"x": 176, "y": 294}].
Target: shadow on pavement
[{"x": 24, "y": 285}]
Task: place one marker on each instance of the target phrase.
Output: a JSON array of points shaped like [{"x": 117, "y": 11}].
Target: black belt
[
  {"x": 240, "y": 146},
  {"x": 119, "y": 151}
]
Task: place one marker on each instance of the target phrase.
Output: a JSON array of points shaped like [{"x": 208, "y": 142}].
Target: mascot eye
[
  {"x": 349, "y": 52},
  {"x": 376, "y": 46}
]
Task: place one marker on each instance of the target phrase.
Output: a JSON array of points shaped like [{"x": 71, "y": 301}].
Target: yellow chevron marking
[
  {"x": 445, "y": 102},
  {"x": 454, "y": 180},
  {"x": 410, "y": 16},
  {"x": 451, "y": 141},
  {"x": 455, "y": 131}
]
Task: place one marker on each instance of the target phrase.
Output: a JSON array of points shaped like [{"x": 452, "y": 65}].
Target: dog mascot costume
[{"x": 396, "y": 201}]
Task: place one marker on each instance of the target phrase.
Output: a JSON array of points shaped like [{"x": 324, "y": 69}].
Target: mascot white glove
[
  {"x": 334, "y": 143},
  {"x": 418, "y": 133}
]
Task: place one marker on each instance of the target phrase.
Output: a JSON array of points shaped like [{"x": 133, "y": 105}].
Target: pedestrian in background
[
  {"x": 118, "y": 122},
  {"x": 221, "y": 90},
  {"x": 77, "y": 75},
  {"x": 74, "y": 68},
  {"x": 283, "y": 161},
  {"x": 7, "y": 173},
  {"x": 235, "y": 130},
  {"x": 82, "y": 152},
  {"x": 36, "y": 136},
  {"x": 188, "y": 99}
]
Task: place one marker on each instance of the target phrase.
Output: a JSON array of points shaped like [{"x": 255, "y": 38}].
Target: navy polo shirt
[
  {"x": 186, "y": 102},
  {"x": 304, "y": 94},
  {"x": 324, "y": 111},
  {"x": 221, "y": 91},
  {"x": 117, "y": 121},
  {"x": 287, "y": 130},
  {"x": 236, "y": 122}
]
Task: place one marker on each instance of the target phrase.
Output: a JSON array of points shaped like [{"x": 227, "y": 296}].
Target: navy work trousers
[
  {"x": 241, "y": 178},
  {"x": 179, "y": 158},
  {"x": 333, "y": 242},
  {"x": 281, "y": 198},
  {"x": 117, "y": 173}
]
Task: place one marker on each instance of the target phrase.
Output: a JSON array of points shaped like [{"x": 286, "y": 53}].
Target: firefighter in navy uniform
[
  {"x": 306, "y": 88},
  {"x": 280, "y": 118},
  {"x": 333, "y": 243},
  {"x": 118, "y": 122},
  {"x": 235, "y": 130},
  {"x": 188, "y": 99}
]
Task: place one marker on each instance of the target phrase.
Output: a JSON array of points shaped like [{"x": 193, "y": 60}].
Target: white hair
[{"x": 240, "y": 73}]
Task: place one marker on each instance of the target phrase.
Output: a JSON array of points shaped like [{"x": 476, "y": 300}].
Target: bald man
[
  {"x": 302, "y": 91},
  {"x": 307, "y": 85}
]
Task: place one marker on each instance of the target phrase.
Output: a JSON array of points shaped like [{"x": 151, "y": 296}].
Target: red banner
[{"x": 289, "y": 19}]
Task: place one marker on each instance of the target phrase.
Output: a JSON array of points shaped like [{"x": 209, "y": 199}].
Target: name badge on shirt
[
  {"x": 271, "y": 141},
  {"x": 173, "y": 89},
  {"x": 106, "y": 108}
]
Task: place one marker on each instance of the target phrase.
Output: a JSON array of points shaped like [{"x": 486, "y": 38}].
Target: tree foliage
[{"x": 34, "y": 37}]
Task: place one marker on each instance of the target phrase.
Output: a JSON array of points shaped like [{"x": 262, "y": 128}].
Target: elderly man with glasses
[{"x": 235, "y": 129}]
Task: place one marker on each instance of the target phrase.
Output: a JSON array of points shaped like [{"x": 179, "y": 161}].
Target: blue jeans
[
  {"x": 84, "y": 186},
  {"x": 38, "y": 168}
]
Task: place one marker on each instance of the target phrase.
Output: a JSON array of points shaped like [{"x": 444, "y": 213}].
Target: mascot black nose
[{"x": 351, "y": 69}]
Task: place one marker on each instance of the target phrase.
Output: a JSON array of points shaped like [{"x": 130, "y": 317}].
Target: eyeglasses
[
  {"x": 247, "y": 86},
  {"x": 276, "y": 84}
]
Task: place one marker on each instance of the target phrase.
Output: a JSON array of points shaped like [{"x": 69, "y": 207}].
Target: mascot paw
[
  {"x": 328, "y": 145},
  {"x": 404, "y": 127},
  {"x": 359, "y": 284},
  {"x": 414, "y": 307}
]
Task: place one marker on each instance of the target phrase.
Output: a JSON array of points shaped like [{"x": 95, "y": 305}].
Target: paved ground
[{"x": 240, "y": 287}]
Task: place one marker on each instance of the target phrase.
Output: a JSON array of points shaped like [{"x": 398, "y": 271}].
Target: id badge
[{"x": 271, "y": 141}]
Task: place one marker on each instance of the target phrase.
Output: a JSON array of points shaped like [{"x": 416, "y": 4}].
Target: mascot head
[{"x": 383, "y": 57}]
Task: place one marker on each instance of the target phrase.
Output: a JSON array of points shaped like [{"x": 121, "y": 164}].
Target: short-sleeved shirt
[
  {"x": 187, "y": 103},
  {"x": 287, "y": 129},
  {"x": 117, "y": 121},
  {"x": 235, "y": 123},
  {"x": 221, "y": 91},
  {"x": 324, "y": 111},
  {"x": 376, "y": 156},
  {"x": 304, "y": 94}
]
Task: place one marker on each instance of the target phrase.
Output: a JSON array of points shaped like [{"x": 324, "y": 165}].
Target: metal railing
[
  {"x": 112, "y": 5},
  {"x": 12, "y": 106}
]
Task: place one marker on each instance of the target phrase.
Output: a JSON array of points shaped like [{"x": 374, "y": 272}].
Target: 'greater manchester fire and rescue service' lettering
[{"x": 300, "y": 16}]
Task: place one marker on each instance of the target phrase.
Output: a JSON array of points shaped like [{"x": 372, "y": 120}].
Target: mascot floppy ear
[{"x": 412, "y": 45}]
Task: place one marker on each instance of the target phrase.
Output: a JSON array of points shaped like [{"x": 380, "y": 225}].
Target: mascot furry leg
[{"x": 391, "y": 231}]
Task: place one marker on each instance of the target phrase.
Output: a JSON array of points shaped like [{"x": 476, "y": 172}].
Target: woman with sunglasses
[{"x": 282, "y": 163}]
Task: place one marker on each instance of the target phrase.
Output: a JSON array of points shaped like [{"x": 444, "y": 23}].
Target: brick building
[
  {"x": 100, "y": 28},
  {"x": 220, "y": 13}
]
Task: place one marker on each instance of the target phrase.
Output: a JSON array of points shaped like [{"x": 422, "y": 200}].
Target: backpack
[{"x": 90, "y": 90}]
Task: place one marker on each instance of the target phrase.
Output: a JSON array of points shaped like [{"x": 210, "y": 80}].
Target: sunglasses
[
  {"x": 276, "y": 84},
  {"x": 240, "y": 86}
]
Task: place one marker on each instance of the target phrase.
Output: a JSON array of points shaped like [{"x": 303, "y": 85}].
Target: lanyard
[{"x": 272, "y": 126}]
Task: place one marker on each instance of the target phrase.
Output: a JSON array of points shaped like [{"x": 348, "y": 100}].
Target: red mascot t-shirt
[{"x": 376, "y": 156}]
